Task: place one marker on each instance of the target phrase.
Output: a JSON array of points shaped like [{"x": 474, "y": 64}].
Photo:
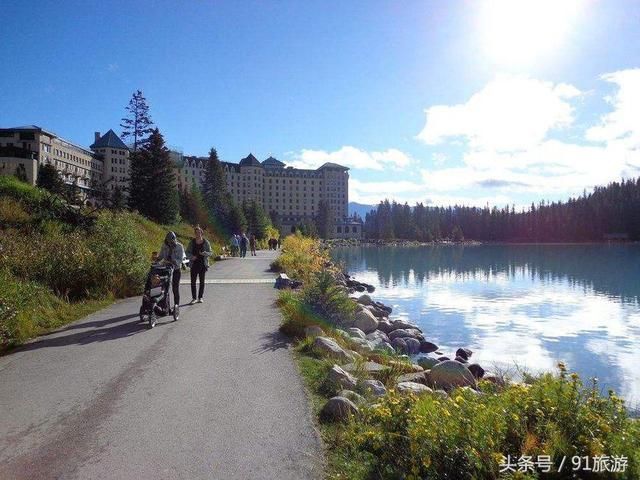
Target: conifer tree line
[{"x": 611, "y": 209}]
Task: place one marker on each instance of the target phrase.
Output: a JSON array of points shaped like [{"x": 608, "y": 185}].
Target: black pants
[
  {"x": 175, "y": 284},
  {"x": 197, "y": 271}
]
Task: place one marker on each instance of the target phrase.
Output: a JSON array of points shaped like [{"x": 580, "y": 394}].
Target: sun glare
[{"x": 525, "y": 32}]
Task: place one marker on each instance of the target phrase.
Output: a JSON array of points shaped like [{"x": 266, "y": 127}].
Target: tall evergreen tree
[
  {"x": 153, "y": 190},
  {"x": 236, "y": 221},
  {"x": 49, "y": 179},
  {"x": 137, "y": 125},
  {"x": 216, "y": 197},
  {"x": 257, "y": 219}
]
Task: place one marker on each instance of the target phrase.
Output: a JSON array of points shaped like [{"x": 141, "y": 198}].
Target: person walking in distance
[
  {"x": 172, "y": 252},
  {"x": 244, "y": 243},
  {"x": 199, "y": 251},
  {"x": 235, "y": 245},
  {"x": 252, "y": 244}
]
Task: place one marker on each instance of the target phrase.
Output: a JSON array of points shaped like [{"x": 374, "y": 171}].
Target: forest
[{"x": 609, "y": 212}]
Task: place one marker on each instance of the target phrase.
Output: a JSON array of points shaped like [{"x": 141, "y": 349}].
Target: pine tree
[
  {"x": 137, "y": 125},
  {"x": 153, "y": 191},
  {"x": 257, "y": 220},
  {"x": 217, "y": 198},
  {"x": 236, "y": 220},
  {"x": 49, "y": 179},
  {"x": 117, "y": 200}
]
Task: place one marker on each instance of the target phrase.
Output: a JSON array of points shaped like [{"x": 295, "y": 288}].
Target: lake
[{"x": 525, "y": 305}]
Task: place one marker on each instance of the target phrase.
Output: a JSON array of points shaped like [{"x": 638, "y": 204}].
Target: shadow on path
[{"x": 273, "y": 341}]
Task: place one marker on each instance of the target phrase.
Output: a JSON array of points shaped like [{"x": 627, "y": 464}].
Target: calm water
[{"x": 527, "y": 305}]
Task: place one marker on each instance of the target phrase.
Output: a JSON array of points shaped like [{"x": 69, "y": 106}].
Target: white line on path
[{"x": 232, "y": 280}]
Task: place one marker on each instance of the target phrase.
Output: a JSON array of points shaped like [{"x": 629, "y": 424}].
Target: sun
[{"x": 525, "y": 32}]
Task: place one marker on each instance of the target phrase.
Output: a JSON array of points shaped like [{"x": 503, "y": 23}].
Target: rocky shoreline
[{"x": 421, "y": 366}]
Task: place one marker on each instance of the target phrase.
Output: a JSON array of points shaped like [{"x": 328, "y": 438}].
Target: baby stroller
[{"x": 157, "y": 300}]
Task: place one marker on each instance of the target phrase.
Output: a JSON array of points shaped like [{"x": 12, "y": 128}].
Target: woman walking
[
  {"x": 199, "y": 251},
  {"x": 252, "y": 244}
]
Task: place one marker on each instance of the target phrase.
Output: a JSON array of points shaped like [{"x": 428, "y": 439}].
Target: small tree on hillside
[
  {"x": 153, "y": 190},
  {"x": 137, "y": 124},
  {"x": 49, "y": 179},
  {"x": 117, "y": 200},
  {"x": 21, "y": 173}
]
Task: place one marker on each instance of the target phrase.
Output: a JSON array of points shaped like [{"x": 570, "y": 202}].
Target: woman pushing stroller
[{"x": 172, "y": 252}]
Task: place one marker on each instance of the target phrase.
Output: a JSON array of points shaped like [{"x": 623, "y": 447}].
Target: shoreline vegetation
[
  {"x": 344, "y": 242},
  {"x": 388, "y": 408}
]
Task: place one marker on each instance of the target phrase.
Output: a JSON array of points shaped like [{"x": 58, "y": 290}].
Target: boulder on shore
[
  {"x": 356, "y": 333},
  {"x": 399, "y": 345},
  {"x": 413, "y": 387},
  {"x": 427, "y": 362},
  {"x": 404, "y": 333},
  {"x": 338, "y": 409},
  {"x": 330, "y": 347},
  {"x": 416, "y": 377},
  {"x": 385, "y": 326},
  {"x": 428, "y": 347},
  {"x": 340, "y": 378},
  {"x": 364, "y": 300},
  {"x": 313, "y": 331},
  {"x": 413, "y": 345},
  {"x": 366, "y": 321},
  {"x": 464, "y": 353},
  {"x": 353, "y": 396},
  {"x": 373, "y": 387},
  {"x": 451, "y": 374}
]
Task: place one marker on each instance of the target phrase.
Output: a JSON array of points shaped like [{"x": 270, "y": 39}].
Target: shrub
[
  {"x": 467, "y": 435},
  {"x": 301, "y": 257},
  {"x": 327, "y": 299}
]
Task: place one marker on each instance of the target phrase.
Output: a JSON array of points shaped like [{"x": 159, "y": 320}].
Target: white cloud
[
  {"x": 510, "y": 113},
  {"x": 623, "y": 123},
  {"x": 353, "y": 158}
]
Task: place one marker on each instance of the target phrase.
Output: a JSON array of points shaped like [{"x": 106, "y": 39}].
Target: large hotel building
[{"x": 291, "y": 194}]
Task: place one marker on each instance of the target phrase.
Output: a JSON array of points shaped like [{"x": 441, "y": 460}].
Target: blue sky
[{"x": 441, "y": 102}]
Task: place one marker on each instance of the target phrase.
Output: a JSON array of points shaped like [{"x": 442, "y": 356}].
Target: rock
[
  {"x": 443, "y": 359},
  {"x": 451, "y": 374},
  {"x": 356, "y": 333},
  {"x": 330, "y": 347},
  {"x": 495, "y": 380},
  {"x": 405, "y": 367},
  {"x": 461, "y": 360},
  {"x": 378, "y": 335},
  {"x": 283, "y": 281},
  {"x": 366, "y": 322},
  {"x": 353, "y": 396},
  {"x": 441, "y": 393},
  {"x": 376, "y": 312},
  {"x": 372, "y": 368},
  {"x": 338, "y": 409},
  {"x": 360, "y": 288},
  {"x": 364, "y": 300},
  {"x": 370, "y": 288},
  {"x": 464, "y": 353},
  {"x": 354, "y": 354},
  {"x": 476, "y": 370},
  {"x": 382, "y": 346},
  {"x": 428, "y": 347},
  {"x": 313, "y": 331},
  {"x": 383, "y": 307},
  {"x": 404, "y": 325},
  {"x": 416, "y": 377},
  {"x": 399, "y": 345},
  {"x": 427, "y": 362},
  {"x": 338, "y": 377},
  {"x": 385, "y": 326},
  {"x": 373, "y": 387},
  {"x": 362, "y": 343},
  {"x": 343, "y": 334},
  {"x": 403, "y": 333},
  {"x": 412, "y": 387},
  {"x": 413, "y": 345}
]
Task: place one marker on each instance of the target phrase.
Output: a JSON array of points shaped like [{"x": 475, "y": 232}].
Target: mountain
[{"x": 360, "y": 208}]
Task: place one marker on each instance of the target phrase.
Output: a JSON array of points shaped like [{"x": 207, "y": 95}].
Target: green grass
[{"x": 59, "y": 263}]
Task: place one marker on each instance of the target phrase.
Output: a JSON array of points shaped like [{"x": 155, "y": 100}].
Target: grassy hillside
[{"x": 59, "y": 263}]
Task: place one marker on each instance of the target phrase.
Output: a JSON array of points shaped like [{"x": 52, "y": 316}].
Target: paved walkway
[{"x": 213, "y": 396}]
